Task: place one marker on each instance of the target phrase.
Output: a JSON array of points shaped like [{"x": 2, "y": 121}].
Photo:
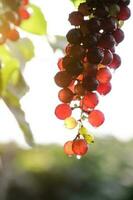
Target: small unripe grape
[
  {"x": 63, "y": 111},
  {"x": 65, "y": 95},
  {"x": 83, "y": 131},
  {"x": 89, "y": 138},
  {"x": 70, "y": 123},
  {"x": 68, "y": 148},
  {"x": 80, "y": 147},
  {"x": 96, "y": 118}
]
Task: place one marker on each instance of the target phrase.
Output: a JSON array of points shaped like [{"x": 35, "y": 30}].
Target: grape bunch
[
  {"x": 86, "y": 69},
  {"x": 12, "y": 12}
]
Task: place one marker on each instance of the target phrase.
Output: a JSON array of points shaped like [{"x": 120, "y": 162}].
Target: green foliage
[
  {"x": 77, "y": 2},
  {"x": 13, "y": 85},
  {"x": 36, "y": 23}
]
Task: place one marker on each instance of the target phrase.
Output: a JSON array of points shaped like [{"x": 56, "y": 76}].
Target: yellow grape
[
  {"x": 89, "y": 138},
  {"x": 70, "y": 123},
  {"x": 83, "y": 131}
]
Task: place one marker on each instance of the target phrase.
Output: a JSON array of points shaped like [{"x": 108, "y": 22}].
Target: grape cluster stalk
[
  {"x": 12, "y": 12},
  {"x": 85, "y": 71}
]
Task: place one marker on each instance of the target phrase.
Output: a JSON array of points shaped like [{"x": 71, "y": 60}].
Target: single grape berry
[
  {"x": 76, "y": 18},
  {"x": 74, "y": 36},
  {"x": 94, "y": 25},
  {"x": 104, "y": 88},
  {"x": 104, "y": 75},
  {"x": 80, "y": 147},
  {"x": 65, "y": 95},
  {"x": 63, "y": 79},
  {"x": 107, "y": 41},
  {"x": 116, "y": 62},
  {"x": 118, "y": 35},
  {"x": 95, "y": 55},
  {"x": 124, "y": 13},
  {"x": 68, "y": 148},
  {"x": 108, "y": 24},
  {"x": 70, "y": 123},
  {"x": 108, "y": 57},
  {"x": 84, "y": 9},
  {"x": 76, "y": 51},
  {"x": 90, "y": 100},
  {"x": 63, "y": 111},
  {"x": 96, "y": 118}
]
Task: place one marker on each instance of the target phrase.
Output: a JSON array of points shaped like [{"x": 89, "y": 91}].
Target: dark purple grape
[
  {"x": 116, "y": 62},
  {"x": 94, "y": 25},
  {"x": 118, "y": 35},
  {"x": 72, "y": 66},
  {"x": 84, "y": 9},
  {"x": 90, "y": 83},
  {"x": 124, "y": 13},
  {"x": 74, "y": 36},
  {"x": 108, "y": 57},
  {"x": 84, "y": 27},
  {"x": 107, "y": 41},
  {"x": 101, "y": 12},
  {"x": 89, "y": 41},
  {"x": 124, "y": 2},
  {"x": 108, "y": 24},
  {"x": 76, "y": 51},
  {"x": 76, "y": 18},
  {"x": 95, "y": 55}
]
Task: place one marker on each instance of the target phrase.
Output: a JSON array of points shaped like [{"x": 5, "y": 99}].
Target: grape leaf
[
  {"x": 14, "y": 106},
  {"x": 13, "y": 87},
  {"x": 36, "y": 23},
  {"x": 23, "y": 49}
]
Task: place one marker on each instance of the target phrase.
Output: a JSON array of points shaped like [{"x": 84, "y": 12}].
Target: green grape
[
  {"x": 83, "y": 131},
  {"x": 70, "y": 123},
  {"x": 89, "y": 138}
]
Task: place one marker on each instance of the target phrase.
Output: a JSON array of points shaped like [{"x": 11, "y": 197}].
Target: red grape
[
  {"x": 76, "y": 18},
  {"x": 63, "y": 79},
  {"x": 96, "y": 118},
  {"x": 74, "y": 36},
  {"x": 118, "y": 35},
  {"x": 80, "y": 147},
  {"x": 65, "y": 95},
  {"x": 124, "y": 13},
  {"x": 116, "y": 62},
  {"x": 90, "y": 100},
  {"x": 108, "y": 57},
  {"x": 68, "y": 148},
  {"x": 104, "y": 75},
  {"x": 24, "y": 14},
  {"x": 63, "y": 111},
  {"x": 104, "y": 88}
]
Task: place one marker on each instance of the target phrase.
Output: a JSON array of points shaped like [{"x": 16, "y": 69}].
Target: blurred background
[{"x": 106, "y": 172}]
